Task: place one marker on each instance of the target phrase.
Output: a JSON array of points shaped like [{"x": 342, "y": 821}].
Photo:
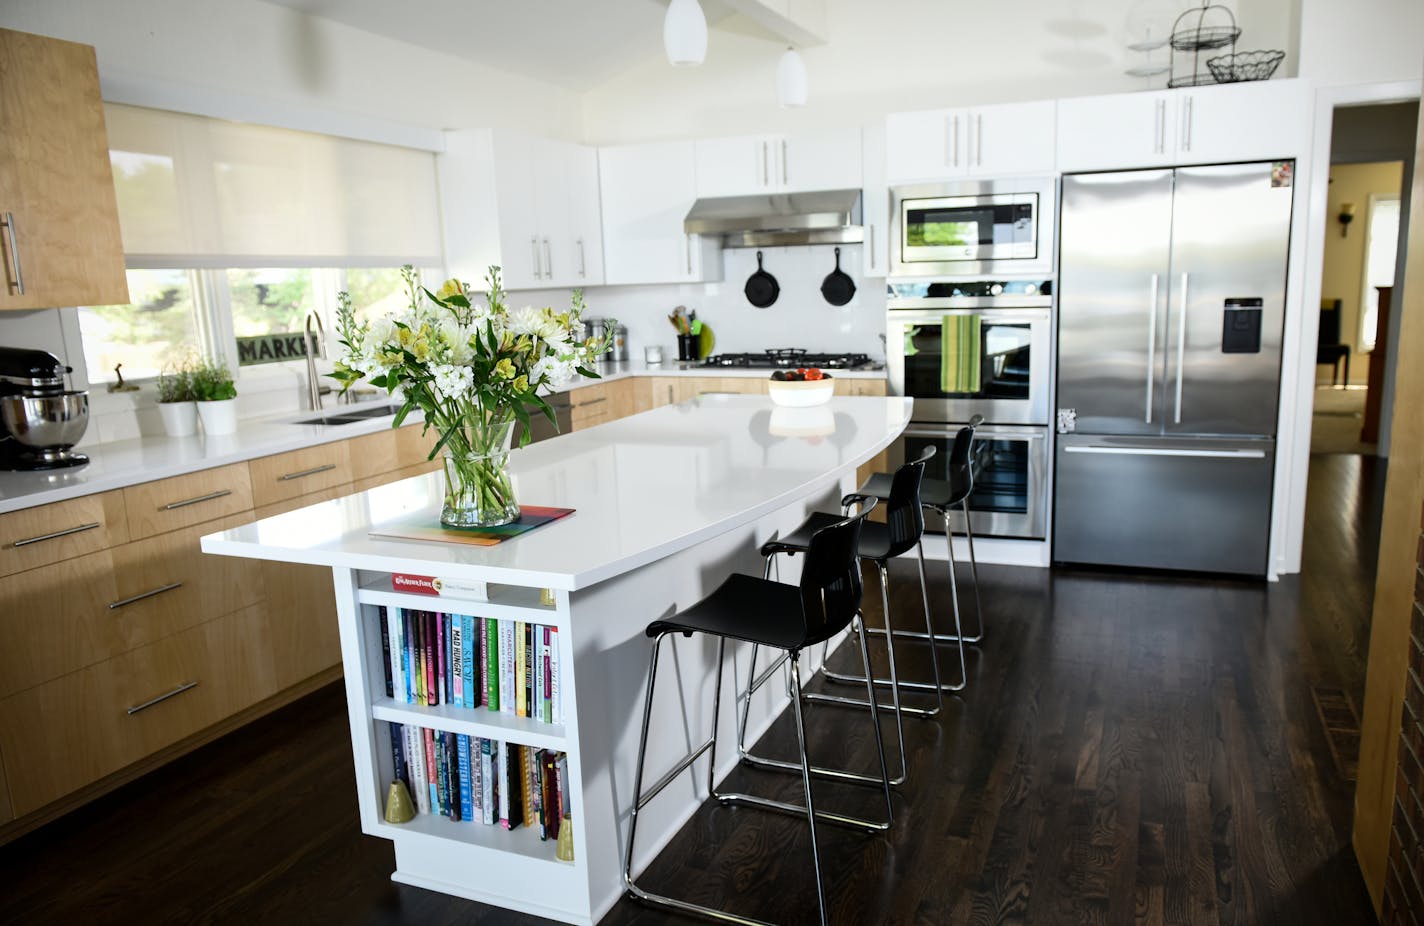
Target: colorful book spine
[
  {"x": 447, "y": 677},
  {"x": 408, "y": 667},
  {"x": 467, "y": 664},
  {"x": 521, "y": 697},
  {"x": 506, "y": 667},
  {"x": 452, "y": 777},
  {"x": 490, "y": 644},
  {"x": 491, "y": 768},
  {"x": 527, "y": 661},
  {"x": 551, "y": 795},
  {"x": 386, "y": 653},
  {"x": 457, "y": 658},
  {"x": 477, "y": 781},
  {"x": 441, "y": 655},
  {"x": 442, "y": 775},
  {"x": 555, "y": 700},
  {"x": 415, "y": 757},
  {"x": 467, "y": 799},
  {"x": 398, "y": 769},
  {"x": 432, "y": 693},
  {"x": 417, "y": 659},
  {"x": 397, "y": 656},
  {"x": 536, "y": 706},
  {"x": 431, "y": 770}
]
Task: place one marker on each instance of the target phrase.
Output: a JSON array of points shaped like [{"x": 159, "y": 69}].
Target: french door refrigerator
[{"x": 1171, "y": 302}]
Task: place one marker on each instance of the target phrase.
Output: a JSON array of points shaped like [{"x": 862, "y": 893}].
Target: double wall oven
[{"x": 982, "y": 347}]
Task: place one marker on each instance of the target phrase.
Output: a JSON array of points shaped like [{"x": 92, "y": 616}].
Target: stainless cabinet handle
[
  {"x": 956, "y": 141},
  {"x": 1181, "y": 346},
  {"x": 115, "y": 605},
  {"x": 306, "y": 472},
  {"x": 161, "y": 698},
  {"x": 548, "y": 261},
  {"x": 193, "y": 501},
  {"x": 55, "y": 535},
  {"x": 19, "y": 284},
  {"x": 687, "y": 247},
  {"x": 1159, "y": 127},
  {"x": 1151, "y": 350},
  {"x": 534, "y": 246},
  {"x": 1187, "y": 126},
  {"x": 765, "y": 165},
  {"x": 785, "y": 177},
  {"x": 583, "y": 260},
  {"x": 1168, "y": 452},
  {"x": 872, "y": 247},
  {"x": 979, "y": 140}
]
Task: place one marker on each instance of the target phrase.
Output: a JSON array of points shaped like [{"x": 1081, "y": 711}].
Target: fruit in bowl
[{"x": 800, "y": 388}]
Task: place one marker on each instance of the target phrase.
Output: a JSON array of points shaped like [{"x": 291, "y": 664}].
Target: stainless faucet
[{"x": 314, "y": 390}]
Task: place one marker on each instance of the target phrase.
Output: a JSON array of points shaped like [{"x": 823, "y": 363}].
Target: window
[
  {"x": 159, "y": 328},
  {"x": 1381, "y": 244},
  {"x": 375, "y": 293}
]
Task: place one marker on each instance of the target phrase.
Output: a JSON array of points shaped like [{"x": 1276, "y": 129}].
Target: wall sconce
[{"x": 1346, "y": 216}]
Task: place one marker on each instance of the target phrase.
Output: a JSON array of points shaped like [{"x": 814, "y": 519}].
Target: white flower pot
[
  {"x": 219, "y": 417},
  {"x": 180, "y": 419}
]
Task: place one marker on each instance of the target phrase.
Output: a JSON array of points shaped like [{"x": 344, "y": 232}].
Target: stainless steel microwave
[{"x": 973, "y": 227}]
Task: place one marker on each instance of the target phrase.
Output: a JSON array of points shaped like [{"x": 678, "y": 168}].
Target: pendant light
[
  {"x": 685, "y": 33},
  {"x": 791, "y": 84}
]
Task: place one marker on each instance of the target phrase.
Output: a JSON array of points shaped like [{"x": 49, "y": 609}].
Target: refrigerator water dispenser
[{"x": 1241, "y": 326}]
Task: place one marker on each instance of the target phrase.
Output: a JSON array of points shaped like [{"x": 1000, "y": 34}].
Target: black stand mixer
[{"x": 40, "y": 420}]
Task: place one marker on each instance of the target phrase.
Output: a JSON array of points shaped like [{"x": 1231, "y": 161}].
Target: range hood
[{"x": 824, "y": 217}]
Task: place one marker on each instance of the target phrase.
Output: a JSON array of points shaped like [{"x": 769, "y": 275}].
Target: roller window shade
[{"x": 199, "y": 192}]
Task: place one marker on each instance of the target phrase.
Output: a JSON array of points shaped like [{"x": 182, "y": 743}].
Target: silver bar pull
[
  {"x": 19, "y": 284},
  {"x": 287, "y": 477},
  {"x": 979, "y": 140},
  {"x": 115, "y": 605},
  {"x": 956, "y": 141},
  {"x": 161, "y": 698},
  {"x": 1181, "y": 346},
  {"x": 872, "y": 247},
  {"x": 1159, "y": 118},
  {"x": 590, "y": 402},
  {"x": 54, "y": 535},
  {"x": 1167, "y": 452},
  {"x": 687, "y": 247},
  {"x": 193, "y": 501},
  {"x": 534, "y": 246},
  {"x": 1187, "y": 125},
  {"x": 548, "y": 261},
  {"x": 765, "y": 164},
  {"x": 583, "y": 260},
  {"x": 1151, "y": 350},
  {"x": 785, "y": 175}
]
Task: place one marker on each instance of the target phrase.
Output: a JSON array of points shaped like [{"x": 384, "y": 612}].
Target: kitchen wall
[
  {"x": 1361, "y": 41},
  {"x": 1343, "y": 265}
]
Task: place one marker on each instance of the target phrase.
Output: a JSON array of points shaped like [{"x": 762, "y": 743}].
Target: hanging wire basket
[
  {"x": 1245, "y": 65},
  {"x": 1214, "y": 27}
]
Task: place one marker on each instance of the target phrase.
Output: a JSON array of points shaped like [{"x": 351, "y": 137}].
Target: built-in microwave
[{"x": 973, "y": 227}]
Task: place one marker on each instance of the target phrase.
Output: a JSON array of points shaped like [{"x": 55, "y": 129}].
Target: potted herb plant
[
  {"x": 217, "y": 397},
  {"x": 177, "y": 405}
]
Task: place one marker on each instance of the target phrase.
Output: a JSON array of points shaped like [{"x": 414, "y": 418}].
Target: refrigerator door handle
[
  {"x": 1151, "y": 351},
  {"x": 1166, "y": 452},
  {"x": 1181, "y": 345}
]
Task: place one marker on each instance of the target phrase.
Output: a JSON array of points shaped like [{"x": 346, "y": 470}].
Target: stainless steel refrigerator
[{"x": 1171, "y": 301}]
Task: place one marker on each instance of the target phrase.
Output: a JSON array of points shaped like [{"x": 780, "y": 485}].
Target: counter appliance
[
  {"x": 973, "y": 227},
  {"x": 1171, "y": 303},
  {"x": 40, "y": 420}
]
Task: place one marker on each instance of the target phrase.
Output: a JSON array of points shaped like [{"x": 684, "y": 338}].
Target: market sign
[{"x": 272, "y": 348}]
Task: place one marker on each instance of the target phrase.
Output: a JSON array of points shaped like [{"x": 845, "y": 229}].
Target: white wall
[
  {"x": 1361, "y": 41},
  {"x": 893, "y": 56}
]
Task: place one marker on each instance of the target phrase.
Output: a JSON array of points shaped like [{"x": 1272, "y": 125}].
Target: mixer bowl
[{"x": 54, "y": 422}]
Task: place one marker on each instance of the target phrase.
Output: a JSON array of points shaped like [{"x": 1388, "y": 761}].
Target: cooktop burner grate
[{"x": 790, "y": 358}]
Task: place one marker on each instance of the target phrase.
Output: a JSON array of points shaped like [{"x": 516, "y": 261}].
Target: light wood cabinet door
[
  {"x": 591, "y": 405},
  {"x": 67, "y": 733},
  {"x": 857, "y": 386},
  {"x": 170, "y": 504},
  {"x": 61, "y": 239},
  {"x": 623, "y": 399},
  {"x": 286, "y": 476},
  {"x": 413, "y": 447},
  {"x": 58, "y": 531}
]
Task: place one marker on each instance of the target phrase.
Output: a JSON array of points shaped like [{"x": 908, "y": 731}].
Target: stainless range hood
[{"x": 824, "y": 217}]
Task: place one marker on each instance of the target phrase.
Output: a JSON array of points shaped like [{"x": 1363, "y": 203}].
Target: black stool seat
[
  {"x": 745, "y": 608},
  {"x": 934, "y": 493},
  {"x": 874, "y": 537}
]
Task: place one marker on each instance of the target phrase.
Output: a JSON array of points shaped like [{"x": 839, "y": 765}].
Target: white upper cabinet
[
  {"x": 528, "y": 205},
  {"x": 647, "y": 191},
  {"x": 746, "y": 165},
  {"x": 1202, "y": 125},
  {"x": 981, "y": 141},
  {"x": 875, "y": 203}
]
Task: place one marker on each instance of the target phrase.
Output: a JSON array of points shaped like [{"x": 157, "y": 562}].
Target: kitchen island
[{"x": 667, "y": 504}]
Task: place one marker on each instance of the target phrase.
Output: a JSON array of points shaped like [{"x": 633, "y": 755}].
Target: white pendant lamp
[
  {"x": 791, "y": 84},
  {"x": 685, "y": 33}
]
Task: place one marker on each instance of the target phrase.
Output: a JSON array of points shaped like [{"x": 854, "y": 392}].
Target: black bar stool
[
  {"x": 788, "y": 618},
  {"x": 940, "y": 496}
]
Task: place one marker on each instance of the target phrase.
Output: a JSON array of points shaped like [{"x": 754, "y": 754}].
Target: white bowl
[{"x": 800, "y": 393}]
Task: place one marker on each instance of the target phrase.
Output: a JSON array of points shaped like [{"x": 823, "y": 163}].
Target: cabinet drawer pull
[
  {"x": 287, "y": 477},
  {"x": 64, "y": 533},
  {"x": 115, "y": 605},
  {"x": 19, "y": 284},
  {"x": 161, "y": 698},
  {"x": 193, "y": 501},
  {"x": 591, "y": 402},
  {"x": 548, "y": 261}
]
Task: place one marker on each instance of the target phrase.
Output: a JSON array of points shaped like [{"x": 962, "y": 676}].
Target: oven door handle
[
  {"x": 922, "y": 317},
  {"x": 1027, "y": 433}
]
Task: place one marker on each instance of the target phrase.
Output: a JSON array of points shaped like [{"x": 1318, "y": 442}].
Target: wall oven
[{"x": 973, "y": 227}]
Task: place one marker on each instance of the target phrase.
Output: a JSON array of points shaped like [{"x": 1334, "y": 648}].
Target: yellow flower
[
  {"x": 451, "y": 287},
  {"x": 421, "y": 349},
  {"x": 521, "y": 384},
  {"x": 504, "y": 369},
  {"x": 404, "y": 336}
]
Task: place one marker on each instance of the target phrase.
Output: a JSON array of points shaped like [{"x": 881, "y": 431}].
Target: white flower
[
  {"x": 452, "y": 382},
  {"x": 455, "y": 339},
  {"x": 540, "y": 323},
  {"x": 551, "y": 370}
]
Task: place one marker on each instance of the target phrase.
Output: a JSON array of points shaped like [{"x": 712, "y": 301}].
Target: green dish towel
[{"x": 959, "y": 354}]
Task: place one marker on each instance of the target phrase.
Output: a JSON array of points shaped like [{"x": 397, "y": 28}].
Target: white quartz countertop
[
  {"x": 131, "y": 462},
  {"x": 643, "y": 487}
]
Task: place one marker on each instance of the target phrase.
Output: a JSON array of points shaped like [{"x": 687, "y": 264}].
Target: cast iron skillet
[
  {"x": 838, "y": 287},
  {"x": 762, "y": 288}
]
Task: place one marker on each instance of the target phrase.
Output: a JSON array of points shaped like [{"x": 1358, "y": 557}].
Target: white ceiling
[{"x": 576, "y": 44}]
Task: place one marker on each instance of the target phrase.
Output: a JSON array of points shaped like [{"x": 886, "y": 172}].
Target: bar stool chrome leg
[{"x": 806, "y": 780}]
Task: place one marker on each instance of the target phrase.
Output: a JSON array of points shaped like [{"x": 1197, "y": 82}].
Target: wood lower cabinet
[
  {"x": 169, "y": 504},
  {"x": 669, "y": 390},
  {"x": 59, "y": 531},
  {"x": 285, "y": 476}
]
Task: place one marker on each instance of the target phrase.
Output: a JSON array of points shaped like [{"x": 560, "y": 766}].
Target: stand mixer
[{"x": 40, "y": 420}]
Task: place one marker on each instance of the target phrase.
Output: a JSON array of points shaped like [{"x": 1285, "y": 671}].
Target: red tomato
[{"x": 814, "y": 374}]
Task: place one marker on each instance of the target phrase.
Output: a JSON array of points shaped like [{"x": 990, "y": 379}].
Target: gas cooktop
[{"x": 792, "y": 358}]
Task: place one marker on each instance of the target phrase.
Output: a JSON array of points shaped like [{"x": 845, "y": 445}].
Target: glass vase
[{"x": 478, "y": 490}]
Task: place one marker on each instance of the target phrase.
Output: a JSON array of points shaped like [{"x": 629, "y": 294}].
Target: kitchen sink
[{"x": 351, "y": 417}]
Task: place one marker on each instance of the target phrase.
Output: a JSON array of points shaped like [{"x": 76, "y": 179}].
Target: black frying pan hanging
[
  {"x": 838, "y": 288},
  {"x": 762, "y": 288}
]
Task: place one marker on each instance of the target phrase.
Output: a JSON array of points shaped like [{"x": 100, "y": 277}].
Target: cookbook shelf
[
  {"x": 505, "y": 601},
  {"x": 473, "y": 721}
]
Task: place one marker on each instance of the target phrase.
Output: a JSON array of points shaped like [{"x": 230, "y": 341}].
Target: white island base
[{"x": 668, "y": 503}]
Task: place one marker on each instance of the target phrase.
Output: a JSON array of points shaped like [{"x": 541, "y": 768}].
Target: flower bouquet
[{"x": 476, "y": 372}]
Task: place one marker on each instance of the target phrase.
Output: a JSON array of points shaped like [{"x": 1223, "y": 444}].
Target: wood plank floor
[{"x": 1131, "y": 749}]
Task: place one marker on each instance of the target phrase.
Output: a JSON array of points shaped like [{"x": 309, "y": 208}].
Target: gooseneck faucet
[{"x": 314, "y": 390}]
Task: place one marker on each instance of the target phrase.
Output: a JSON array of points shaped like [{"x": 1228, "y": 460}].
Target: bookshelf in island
[{"x": 507, "y": 695}]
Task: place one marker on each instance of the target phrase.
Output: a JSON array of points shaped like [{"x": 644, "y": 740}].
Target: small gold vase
[
  {"x": 564, "y": 851},
  {"x": 399, "y": 807}
]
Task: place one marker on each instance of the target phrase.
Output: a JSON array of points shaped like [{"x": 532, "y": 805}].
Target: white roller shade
[{"x": 199, "y": 192}]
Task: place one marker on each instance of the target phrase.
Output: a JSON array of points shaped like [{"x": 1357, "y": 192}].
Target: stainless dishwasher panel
[{"x": 1163, "y": 503}]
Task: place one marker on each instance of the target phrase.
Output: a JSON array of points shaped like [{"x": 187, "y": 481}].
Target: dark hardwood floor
[{"x": 1131, "y": 749}]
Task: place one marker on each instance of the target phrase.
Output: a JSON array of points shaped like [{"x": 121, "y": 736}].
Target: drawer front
[
  {"x": 95, "y": 607},
  {"x": 860, "y": 387},
  {"x": 289, "y": 475},
  {"x": 169, "y": 504},
  {"x": 75, "y": 730},
  {"x": 413, "y": 447},
  {"x": 61, "y": 530},
  {"x": 405, "y": 472},
  {"x": 372, "y": 454}
]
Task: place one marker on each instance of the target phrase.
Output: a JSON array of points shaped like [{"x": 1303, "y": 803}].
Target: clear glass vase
[{"x": 478, "y": 490}]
